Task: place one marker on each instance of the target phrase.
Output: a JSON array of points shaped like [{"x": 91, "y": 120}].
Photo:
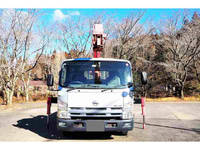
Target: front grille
[
  {"x": 95, "y": 113},
  {"x": 95, "y": 108},
  {"x": 75, "y": 108},
  {"x": 115, "y": 114},
  {"x": 98, "y": 114},
  {"x": 95, "y": 118},
  {"x": 75, "y": 114},
  {"x": 116, "y": 108}
]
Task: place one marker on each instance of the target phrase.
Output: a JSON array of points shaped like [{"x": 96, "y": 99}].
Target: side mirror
[
  {"x": 144, "y": 78},
  {"x": 130, "y": 84},
  {"x": 50, "y": 80}
]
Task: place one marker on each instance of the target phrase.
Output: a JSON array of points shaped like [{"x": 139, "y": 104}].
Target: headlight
[
  {"x": 62, "y": 110},
  {"x": 62, "y": 106},
  {"x": 127, "y": 114},
  {"x": 127, "y": 109}
]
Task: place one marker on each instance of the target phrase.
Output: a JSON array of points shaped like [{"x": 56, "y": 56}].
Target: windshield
[{"x": 95, "y": 74}]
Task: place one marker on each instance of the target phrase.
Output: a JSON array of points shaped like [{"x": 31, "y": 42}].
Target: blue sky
[
  {"x": 52, "y": 15},
  {"x": 155, "y": 14}
]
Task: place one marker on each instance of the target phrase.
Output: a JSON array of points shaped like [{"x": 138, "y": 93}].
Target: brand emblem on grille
[{"x": 95, "y": 103}]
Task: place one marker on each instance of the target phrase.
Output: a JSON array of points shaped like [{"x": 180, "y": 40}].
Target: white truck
[{"x": 95, "y": 95}]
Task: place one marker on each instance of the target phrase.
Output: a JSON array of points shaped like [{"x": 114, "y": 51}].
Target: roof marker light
[{"x": 82, "y": 58}]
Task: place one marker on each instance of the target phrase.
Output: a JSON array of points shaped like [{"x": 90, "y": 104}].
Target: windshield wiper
[
  {"x": 111, "y": 88},
  {"x": 89, "y": 85},
  {"x": 106, "y": 90},
  {"x": 71, "y": 88}
]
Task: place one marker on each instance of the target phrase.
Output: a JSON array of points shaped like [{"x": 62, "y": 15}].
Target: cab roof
[{"x": 96, "y": 59}]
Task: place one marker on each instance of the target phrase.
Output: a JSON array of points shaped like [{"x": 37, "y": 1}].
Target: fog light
[
  {"x": 127, "y": 125},
  {"x": 111, "y": 125},
  {"x": 78, "y": 125},
  {"x": 62, "y": 124}
]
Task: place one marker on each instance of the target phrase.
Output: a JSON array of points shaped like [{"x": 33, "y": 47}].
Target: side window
[
  {"x": 63, "y": 75},
  {"x": 127, "y": 74}
]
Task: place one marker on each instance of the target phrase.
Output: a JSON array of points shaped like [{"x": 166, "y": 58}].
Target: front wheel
[
  {"x": 123, "y": 133},
  {"x": 65, "y": 133}
]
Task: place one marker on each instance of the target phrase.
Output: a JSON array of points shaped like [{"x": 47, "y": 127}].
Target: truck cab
[{"x": 95, "y": 95}]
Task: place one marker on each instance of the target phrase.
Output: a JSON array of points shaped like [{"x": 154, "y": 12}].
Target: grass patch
[
  {"x": 174, "y": 99},
  {"x": 22, "y": 99}
]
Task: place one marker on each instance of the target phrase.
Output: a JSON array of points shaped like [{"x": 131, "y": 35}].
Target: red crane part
[
  {"x": 143, "y": 111},
  {"x": 49, "y": 105},
  {"x": 98, "y": 40},
  {"x": 97, "y": 53},
  {"x": 50, "y": 100}
]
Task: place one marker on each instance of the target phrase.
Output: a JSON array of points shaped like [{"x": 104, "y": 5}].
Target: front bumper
[{"x": 95, "y": 125}]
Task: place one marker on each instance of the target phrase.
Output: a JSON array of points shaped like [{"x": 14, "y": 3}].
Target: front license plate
[{"x": 95, "y": 125}]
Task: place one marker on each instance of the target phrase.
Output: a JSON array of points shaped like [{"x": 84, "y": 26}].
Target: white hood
[{"x": 94, "y": 98}]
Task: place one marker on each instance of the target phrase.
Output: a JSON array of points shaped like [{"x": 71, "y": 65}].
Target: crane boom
[{"x": 98, "y": 40}]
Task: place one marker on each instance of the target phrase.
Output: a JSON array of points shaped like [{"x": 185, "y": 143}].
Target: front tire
[
  {"x": 65, "y": 133},
  {"x": 124, "y": 133}
]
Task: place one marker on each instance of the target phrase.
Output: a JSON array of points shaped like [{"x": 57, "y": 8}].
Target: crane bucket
[{"x": 98, "y": 29}]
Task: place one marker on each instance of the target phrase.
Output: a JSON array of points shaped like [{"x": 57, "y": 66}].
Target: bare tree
[
  {"x": 76, "y": 36},
  {"x": 129, "y": 36},
  {"x": 35, "y": 43},
  {"x": 197, "y": 68},
  {"x": 181, "y": 40},
  {"x": 11, "y": 50},
  {"x": 17, "y": 38}
]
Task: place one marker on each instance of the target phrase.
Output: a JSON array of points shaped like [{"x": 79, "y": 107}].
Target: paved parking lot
[{"x": 164, "y": 122}]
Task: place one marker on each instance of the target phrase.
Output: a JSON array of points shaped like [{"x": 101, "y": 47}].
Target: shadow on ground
[
  {"x": 197, "y": 130},
  {"x": 38, "y": 125}
]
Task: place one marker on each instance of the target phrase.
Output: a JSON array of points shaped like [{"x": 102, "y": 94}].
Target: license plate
[{"x": 95, "y": 125}]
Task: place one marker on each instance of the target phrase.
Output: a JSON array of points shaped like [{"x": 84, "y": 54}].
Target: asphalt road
[{"x": 164, "y": 122}]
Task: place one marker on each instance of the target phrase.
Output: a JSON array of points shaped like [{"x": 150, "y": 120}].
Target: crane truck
[{"x": 94, "y": 94}]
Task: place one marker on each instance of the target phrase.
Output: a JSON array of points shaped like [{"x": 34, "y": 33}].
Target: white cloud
[
  {"x": 59, "y": 15},
  {"x": 74, "y": 13}
]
